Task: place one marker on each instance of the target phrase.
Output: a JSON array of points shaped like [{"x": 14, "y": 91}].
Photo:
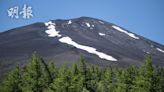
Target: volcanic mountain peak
[{"x": 65, "y": 40}]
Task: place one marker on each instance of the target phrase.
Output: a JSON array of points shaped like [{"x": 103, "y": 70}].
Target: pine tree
[
  {"x": 144, "y": 81},
  {"x": 33, "y": 76},
  {"x": 119, "y": 85},
  {"x": 75, "y": 70},
  {"x": 76, "y": 83},
  {"x": 13, "y": 81},
  {"x": 83, "y": 70},
  {"x": 93, "y": 78},
  {"x": 107, "y": 79},
  {"x": 158, "y": 78},
  {"x": 60, "y": 83},
  {"x": 102, "y": 87},
  {"x": 128, "y": 77}
]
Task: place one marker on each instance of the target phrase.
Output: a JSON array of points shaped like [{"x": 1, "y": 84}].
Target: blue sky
[{"x": 143, "y": 17}]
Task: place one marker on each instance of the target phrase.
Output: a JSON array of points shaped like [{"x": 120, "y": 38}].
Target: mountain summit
[{"x": 63, "y": 41}]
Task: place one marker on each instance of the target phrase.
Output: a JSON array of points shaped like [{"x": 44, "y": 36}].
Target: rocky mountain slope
[{"x": 63, "y": 41}]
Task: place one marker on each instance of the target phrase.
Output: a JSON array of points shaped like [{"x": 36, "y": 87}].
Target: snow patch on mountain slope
[
  {"x": 101, "y": 22},
  {"x": 160, "y": 50},
  {"x": 49, "y": 23},
  {"x": 121, "y": 30},
  {"x": 51, "y": 31},
  {"x": 69, "y": 22},
  {"x": 101, "y": 34},
  {"x": 92, "y": 50},
  {"x": 88, "y": 25},
  {"x": 91, "y": 26}
]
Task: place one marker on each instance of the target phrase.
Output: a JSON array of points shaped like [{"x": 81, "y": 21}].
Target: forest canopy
[{"x": 39, "y": 76}]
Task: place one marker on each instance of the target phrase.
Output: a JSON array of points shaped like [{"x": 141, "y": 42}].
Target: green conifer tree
[
  {"x": 13, "y": 82},
  {"x": 33, "y": 76},
  {"x": 144, "y": 81}
]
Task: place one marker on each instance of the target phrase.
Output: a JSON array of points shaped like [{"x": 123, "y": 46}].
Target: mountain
[{"x": 63, "y": 41}]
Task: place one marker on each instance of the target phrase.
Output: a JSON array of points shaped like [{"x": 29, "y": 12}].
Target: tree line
[{"x": 39, "y": 76}]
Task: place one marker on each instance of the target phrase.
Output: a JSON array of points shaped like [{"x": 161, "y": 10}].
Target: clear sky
[{"x": 143, "y": 17}]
